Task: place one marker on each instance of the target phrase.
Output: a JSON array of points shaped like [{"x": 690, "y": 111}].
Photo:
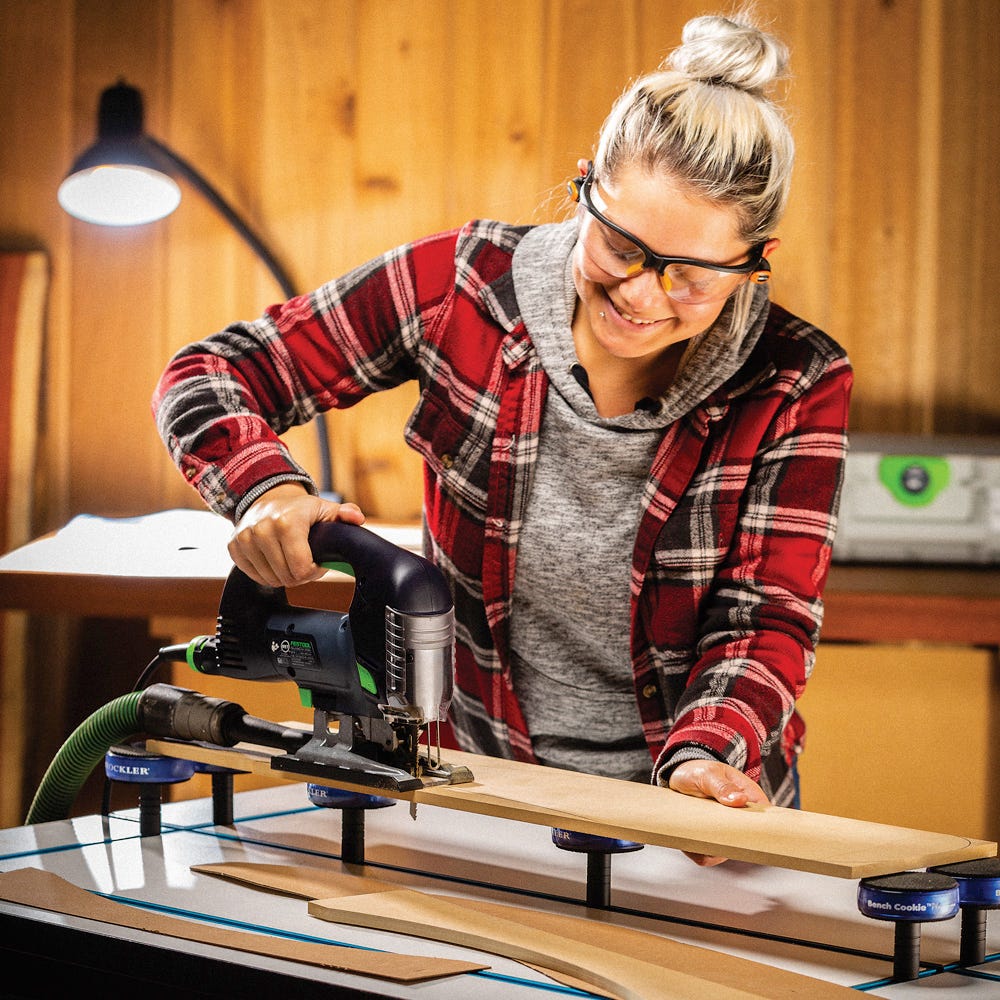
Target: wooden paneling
[
  {"x": 36, "y": 112},
  {"x": 118, "y": 288},
  {"x": 342, "y": 127},
  {"x": 966, "y": 356}
]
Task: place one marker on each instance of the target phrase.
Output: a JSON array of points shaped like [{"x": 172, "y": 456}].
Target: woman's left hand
[{"x": 711, "y": 779}]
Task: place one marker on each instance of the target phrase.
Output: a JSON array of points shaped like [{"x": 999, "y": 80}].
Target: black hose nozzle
[
  {"x": 159, "y": 710},
  {"x": 182, "y": 714}
]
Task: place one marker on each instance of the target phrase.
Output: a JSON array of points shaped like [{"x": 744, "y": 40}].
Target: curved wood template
[
  {"x": 581, "y": 940},
  {"x": 47, "y": 891},
  {"x": 625, "y": 976},
  {"x": 775, "y": 836}
]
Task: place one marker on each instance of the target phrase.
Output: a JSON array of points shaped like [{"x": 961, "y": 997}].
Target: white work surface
[{"x": 805, "y": 923}]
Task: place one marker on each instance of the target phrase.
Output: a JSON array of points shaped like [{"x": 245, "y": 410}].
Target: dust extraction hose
[
  {"x": 159, "y": 710},
  {"x": 80, "y": 754}
]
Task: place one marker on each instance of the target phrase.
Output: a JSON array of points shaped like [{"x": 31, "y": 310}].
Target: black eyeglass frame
[{"x": 579, "y": 191}]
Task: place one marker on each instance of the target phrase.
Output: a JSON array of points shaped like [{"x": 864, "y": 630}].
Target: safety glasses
[{"x": 620, "y": 254}]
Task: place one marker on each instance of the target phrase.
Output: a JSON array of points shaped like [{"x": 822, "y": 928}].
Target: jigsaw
[{"x": 377, "y": 678}]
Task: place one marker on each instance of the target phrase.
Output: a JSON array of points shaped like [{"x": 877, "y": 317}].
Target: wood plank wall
[{"x": 342, "y": 127}]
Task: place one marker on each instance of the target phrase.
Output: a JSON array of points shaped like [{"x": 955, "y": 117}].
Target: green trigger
[{"x": 340, "y": 567}]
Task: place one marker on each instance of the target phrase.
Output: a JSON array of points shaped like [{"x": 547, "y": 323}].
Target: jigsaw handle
[
  {"x": 401, "y": 616},
  {"x": 385, "y": 574}
]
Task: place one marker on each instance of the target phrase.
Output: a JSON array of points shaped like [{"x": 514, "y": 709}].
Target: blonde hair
[{"x": 705, "y": 118}]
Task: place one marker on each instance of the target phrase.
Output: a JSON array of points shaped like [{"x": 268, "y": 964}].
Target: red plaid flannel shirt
[{"x": 734, "y": 543}]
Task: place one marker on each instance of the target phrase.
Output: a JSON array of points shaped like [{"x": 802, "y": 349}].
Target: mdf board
[
  {"x": 544, "y": 796},
  {"x": 904, "y": 734},
  {"x": 501, "y": 930},
  {"x": 42, "y": 889},
  {"x": 589, "y": 952}
]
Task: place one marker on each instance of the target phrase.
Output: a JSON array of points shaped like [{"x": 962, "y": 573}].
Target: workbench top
[{"x": 791, "y": 920}]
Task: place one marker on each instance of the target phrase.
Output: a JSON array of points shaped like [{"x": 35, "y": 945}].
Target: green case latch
[{"x": 914, "y": 480}]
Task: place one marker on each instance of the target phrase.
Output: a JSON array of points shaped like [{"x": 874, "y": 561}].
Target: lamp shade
[{"x": 122, "y": 179}]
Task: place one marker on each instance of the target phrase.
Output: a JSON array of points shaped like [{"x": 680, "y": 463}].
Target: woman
[{"x": 632, "y": 458}]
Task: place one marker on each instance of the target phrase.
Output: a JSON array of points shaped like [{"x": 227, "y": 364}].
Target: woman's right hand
[{"x": 271, "y": 542}]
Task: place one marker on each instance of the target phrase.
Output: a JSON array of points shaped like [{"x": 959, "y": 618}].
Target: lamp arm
[
  {"x": 279, "y": 274},
  {"x": 228, "y": 213}
]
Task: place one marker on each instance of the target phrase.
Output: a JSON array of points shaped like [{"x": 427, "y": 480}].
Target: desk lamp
[{"x": 124, "y": 179}]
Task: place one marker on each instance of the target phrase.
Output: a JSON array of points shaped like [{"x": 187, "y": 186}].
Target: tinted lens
[
  {"x": 618, "y": 256},
  {"x": 610, "y": 251},
  {"x": 699, "y": 284}
]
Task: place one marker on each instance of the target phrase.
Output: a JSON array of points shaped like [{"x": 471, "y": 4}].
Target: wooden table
[
  {"x": 864, "y": 603},
  {"x": 103, "y": 596},
  {"x": 878, "y": 603},
  {"x": 172, "y": 564}
]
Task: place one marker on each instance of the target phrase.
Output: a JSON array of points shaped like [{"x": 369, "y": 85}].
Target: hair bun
[{"x": 730, "y": 51}]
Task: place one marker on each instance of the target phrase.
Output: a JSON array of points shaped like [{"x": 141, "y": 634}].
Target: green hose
[{"x": 80, "y": 754}]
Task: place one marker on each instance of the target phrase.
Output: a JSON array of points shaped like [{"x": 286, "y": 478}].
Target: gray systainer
[{"x": 920, "y": 499}]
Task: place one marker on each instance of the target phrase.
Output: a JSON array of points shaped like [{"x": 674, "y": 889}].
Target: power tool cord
[{"x": 167, "y": 654}]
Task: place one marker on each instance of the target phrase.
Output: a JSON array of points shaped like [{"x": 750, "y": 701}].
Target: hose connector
[{"x": 182, "y": 714}]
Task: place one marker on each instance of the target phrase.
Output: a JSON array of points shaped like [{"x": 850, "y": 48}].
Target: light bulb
[{"x": 119, "y": 195}]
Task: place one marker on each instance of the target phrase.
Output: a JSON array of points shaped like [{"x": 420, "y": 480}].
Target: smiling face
[{"x": 633, "y": 318}]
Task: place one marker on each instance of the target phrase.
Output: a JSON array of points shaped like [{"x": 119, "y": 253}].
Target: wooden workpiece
[
  {"x": 42, "y": 889},
  {"x": 774, "y": 836},
  {"x": 620, "y": 962},
  {"x": 619, "y": 975}
]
